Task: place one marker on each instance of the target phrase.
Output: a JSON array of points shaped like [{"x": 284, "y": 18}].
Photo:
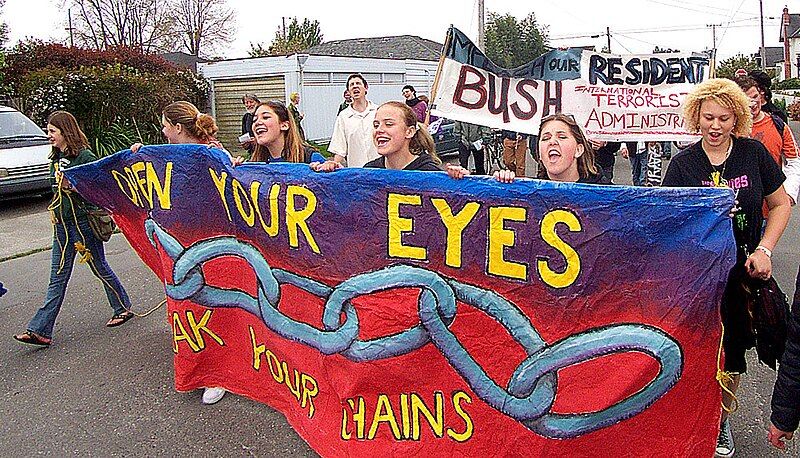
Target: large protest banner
[
  {"x": 390, "y": 313},
  {"x": 613, "y": 97}
]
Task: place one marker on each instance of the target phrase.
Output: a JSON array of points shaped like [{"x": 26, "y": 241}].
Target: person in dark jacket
[
  {"x": 401, "y": 142},
  {"x": 786, "y": 394},
  {"x": 764, "y": 84},
  {"x": 605, "y": 155},
  {"x": 250, "y": 101}
]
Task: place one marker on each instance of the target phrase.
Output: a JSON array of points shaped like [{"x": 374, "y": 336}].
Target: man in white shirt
[{"x": 351, "y": 142}]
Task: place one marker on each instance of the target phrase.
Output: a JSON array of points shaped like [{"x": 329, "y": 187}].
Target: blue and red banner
[{"x": 390, "y": 312}]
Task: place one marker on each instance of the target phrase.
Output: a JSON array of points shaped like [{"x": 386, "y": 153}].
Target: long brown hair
[
  {"x": 421, "y": 142},
  {"x": 293, "y": 146},
  {"x": 73, "y": 135},
  {"x": 199, "y": 125},
  {"x": 586, "y": 165}
]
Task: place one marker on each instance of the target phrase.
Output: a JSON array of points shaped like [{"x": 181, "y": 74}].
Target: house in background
[
  {"x": 183, "y": 60},
  {"x": 787, "y": 67},
  {"x": 319, "y": 75},
  {"x": 774, "y": 56}
]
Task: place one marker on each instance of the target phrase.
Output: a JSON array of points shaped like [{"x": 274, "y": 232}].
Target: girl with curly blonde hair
[{"x": 724, "y": 157}]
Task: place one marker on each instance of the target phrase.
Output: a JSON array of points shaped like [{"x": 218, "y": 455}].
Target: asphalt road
[{"x": 109, "y": 392}]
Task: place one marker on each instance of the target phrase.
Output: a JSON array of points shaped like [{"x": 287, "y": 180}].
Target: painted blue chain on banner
[{"x": 533, "y": 385}]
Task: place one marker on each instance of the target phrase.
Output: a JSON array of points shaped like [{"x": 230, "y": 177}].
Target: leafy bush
[
  {"x": 116, "y": 95},
  {"x": 33, "y": 55},
  {"x": 780, "y": 103},
  {"x": 794, "y": 111},
  {"x": 119, "y": 136},
  {"x": 790, "y": 83}
]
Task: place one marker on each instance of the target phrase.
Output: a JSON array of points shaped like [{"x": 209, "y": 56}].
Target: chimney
[{"x": 787, "y": 58}]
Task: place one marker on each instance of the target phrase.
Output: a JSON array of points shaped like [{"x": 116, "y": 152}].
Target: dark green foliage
[
  {"x": 511, "y": 42},
  {"x": 117, "y": 96},
  {"x": 727, "y": 68}
]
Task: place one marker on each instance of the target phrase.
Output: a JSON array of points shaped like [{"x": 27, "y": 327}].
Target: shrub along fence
[{"x": 116, "y": 95}]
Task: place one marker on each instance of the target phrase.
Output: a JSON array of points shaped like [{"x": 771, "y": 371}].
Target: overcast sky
[{"x": 636, "y": 26}]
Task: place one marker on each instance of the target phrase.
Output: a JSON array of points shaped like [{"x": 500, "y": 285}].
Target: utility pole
[
  {"x": 283, "y": 20},
  {"x": 608, "y": 39},
  {"x": 763, "y": 49},
  {"x": 70, "y": 28},
  {"x": 481, "y": 25},
  {"x": 714, "y": 40}
]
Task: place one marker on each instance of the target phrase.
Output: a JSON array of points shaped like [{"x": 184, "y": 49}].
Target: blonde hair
[
  {"x": 199, "y": 125},
  {"x": 421, "y": 142},
  {"x": 727, "y": 94},
  {"x": 294, "y": 97}
]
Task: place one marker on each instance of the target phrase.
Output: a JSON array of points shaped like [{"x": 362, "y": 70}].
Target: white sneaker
[
  {"x": 725, "y": 447},
  {"x": 213, "y": 395}
]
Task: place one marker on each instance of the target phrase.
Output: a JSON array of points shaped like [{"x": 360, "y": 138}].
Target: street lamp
[{"x": 301, "y": 63}]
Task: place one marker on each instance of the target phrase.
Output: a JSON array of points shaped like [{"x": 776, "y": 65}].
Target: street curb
[{"x": 26, "y": 253}]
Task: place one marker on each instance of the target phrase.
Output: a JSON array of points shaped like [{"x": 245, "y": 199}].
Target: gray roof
[
  {"x": 395, "y": 47},
  {"x": 183, "y": 60},
  {"x": 794, "y": 27},
  {"x": 774, "y": 55}
]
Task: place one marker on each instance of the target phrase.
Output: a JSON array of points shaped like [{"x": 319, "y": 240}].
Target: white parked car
[{"x": 24, "y": 167}]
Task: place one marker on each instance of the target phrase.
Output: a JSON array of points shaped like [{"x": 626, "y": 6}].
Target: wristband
[{"x": 766, "y": 250}]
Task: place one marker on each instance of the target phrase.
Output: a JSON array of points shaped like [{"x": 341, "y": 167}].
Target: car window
[{"x": 16, "y": 124}]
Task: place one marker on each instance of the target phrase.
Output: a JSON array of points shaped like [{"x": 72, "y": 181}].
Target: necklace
[{"x": 718, "y": 176}]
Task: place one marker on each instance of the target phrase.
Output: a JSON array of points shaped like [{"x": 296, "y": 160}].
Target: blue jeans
[
  {"x": 65, "y": 235},
  {"x": 639, "y": 168}
]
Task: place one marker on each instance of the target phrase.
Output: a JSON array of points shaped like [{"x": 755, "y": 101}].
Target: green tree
[
  {"x": 3, "y": 28},
  {"x": 297, "y": 37},
  {"x": 727, "y": 68},
  {"x": 511, "y": 42}
]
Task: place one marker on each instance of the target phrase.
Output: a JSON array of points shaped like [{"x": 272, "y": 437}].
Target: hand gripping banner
[{"x": 407, "y": 312}]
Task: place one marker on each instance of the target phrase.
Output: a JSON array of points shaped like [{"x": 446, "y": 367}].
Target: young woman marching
[
  {"x": 277, "y": 137},
  {"x": 724, "y": 157},
  {"x": 71, "y": 232},
  {"x": 401, "y": 143}
]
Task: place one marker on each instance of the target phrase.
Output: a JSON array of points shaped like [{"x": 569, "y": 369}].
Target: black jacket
[
  {"x": 598, "y": 178},
  {"x": 423, "y": 162},
  {"x": 604, "y": 156},
  {"x": 786, "y": 394}
]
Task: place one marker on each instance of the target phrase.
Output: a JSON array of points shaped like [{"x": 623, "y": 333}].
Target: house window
[{"x": 394, "y": 78}]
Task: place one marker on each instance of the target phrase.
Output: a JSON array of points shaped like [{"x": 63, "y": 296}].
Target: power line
[
  {"x": 694, "y": 3},
  {"x": 725, "y": 29},
  {"x": 687, "y": 8},
  {"x": 655, "y": 30},
  {"x": 620, "y": 43},
  {"x": 635, "y": 39}
]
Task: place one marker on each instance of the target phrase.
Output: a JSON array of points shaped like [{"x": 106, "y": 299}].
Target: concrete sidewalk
[{"x": 25, "y": 233}]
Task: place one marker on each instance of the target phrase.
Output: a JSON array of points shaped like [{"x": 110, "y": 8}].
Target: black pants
[{"x": 463, "y": 158}]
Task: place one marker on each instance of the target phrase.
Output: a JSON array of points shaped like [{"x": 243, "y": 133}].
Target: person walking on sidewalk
[
  {"x": 514, "y": 147},
  {"x": 71, "y": 234},
  {"x": 470, "y": 141}
]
